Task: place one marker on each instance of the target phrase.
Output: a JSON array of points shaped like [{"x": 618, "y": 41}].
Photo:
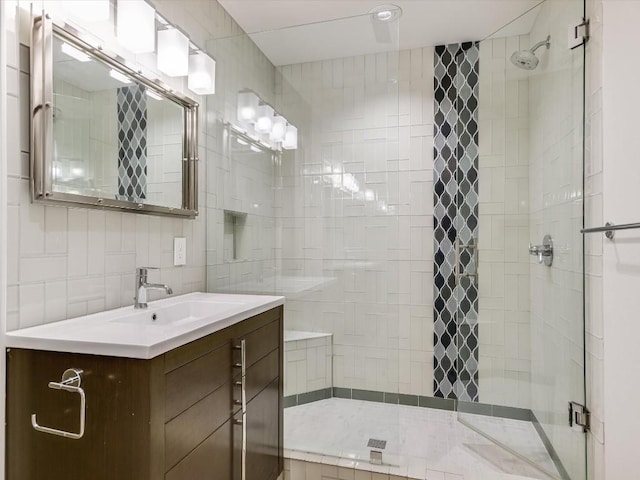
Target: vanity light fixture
[
  {"x": 247, "y": 106},
  {"x": 290, "y": 141},
  {"x": 88, "y": 10},
  {"x": 264, "y": 120},
  {"x": 136, "y": 26},
  {"x": 173, "y": 52},
  {"x": 73, "y": 52},
  {"x": 202, "y": 74},
  {"x": 121, "y": 77},
  {"x": 278, "y": 129}
]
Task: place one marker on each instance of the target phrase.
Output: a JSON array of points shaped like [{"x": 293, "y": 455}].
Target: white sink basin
[
  {"x": 177, "y": 314},
  {"x": 125, "y": 332}
]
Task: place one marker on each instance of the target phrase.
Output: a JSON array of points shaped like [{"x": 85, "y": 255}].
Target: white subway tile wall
[
  {"x": 504, "y": 323},
  {"x": 308, "y": 362},
  {"x": 367, "y": 118},
  {"x": 67, "y": 262}
]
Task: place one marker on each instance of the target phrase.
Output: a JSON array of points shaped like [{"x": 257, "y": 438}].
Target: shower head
[{"x": 526, "y": 59}]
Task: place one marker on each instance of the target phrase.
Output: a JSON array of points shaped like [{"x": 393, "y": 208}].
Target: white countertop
[{"x": 126, "y": 332}]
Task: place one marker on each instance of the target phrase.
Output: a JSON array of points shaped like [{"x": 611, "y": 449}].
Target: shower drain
[{"x": 374, "y": 443}]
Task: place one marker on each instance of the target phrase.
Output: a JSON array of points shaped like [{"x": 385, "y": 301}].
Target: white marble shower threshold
[{"x": 422, "y": 443}]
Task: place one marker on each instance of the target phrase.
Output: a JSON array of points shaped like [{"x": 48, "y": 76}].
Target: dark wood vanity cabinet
[{"x": 178, "y": 416}]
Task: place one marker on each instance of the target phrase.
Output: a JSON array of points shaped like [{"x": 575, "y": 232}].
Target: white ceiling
[{"x": 288, "y": 32}]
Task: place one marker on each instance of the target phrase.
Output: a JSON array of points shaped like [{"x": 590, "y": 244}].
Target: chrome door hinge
[
  {"x": 578, "y": 33},
  {"x": 579, "y": 417}
]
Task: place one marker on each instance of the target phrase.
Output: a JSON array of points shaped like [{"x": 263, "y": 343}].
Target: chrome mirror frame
[{"x": 41, "y": 105}]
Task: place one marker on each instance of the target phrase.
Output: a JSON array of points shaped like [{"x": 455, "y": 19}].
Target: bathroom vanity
[{"x": 190, "y": 388}]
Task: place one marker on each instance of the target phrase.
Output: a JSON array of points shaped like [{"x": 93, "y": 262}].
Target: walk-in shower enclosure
[{"x": 399, "y": 231}]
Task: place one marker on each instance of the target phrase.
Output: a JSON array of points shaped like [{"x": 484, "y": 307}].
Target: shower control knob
[{"x": 544, "y": 252}]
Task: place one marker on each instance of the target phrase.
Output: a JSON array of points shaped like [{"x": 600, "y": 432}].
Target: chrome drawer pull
[
  {"x": 243, "y": 402},
  {"x": 71, "y": 380}
]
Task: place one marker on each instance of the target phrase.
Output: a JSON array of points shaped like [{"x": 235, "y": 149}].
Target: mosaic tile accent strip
[
  {"x": 132, "y": 143},
  {"x": 456, "y": 221}
]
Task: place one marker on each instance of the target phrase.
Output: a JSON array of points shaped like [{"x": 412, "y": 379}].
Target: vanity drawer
[
  {"x": 185, "y": 432},
  {"x": 212, "y": 459},
  {"x": 260, "y": 342},
  {"x": 190, "y": 383}
]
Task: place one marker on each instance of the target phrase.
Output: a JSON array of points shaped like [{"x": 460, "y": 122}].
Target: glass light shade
[
  {"x": 202, "y": 74},
  {"x": 173, "y": 52},
  {"x": 290, "y": 141},
  {"x": 264, "y": 119},
  {"x": 278, "y": 129},
  {"x": 136, "y": 28},
  {"x": 88, "y": 10},
  {"x": 73, "y": 52},
  {"x": 121, "y": 77},
  {"x": 247, "y": 106}
]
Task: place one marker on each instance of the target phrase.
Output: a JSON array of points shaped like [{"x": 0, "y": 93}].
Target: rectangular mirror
[{"x": 105, "y": 136}]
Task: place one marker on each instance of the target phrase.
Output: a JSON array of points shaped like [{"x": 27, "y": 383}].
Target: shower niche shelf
[{"x": 234, "y": 242}]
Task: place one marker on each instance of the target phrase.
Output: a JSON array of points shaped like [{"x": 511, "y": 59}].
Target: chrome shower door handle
[{"x": 71, "y": 380}]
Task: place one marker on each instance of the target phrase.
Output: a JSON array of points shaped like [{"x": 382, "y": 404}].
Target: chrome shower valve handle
[{"x": 544, "y": 252}]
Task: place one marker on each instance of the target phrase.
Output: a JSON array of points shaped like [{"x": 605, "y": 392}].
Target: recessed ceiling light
[{"x": 386, "y": 13}]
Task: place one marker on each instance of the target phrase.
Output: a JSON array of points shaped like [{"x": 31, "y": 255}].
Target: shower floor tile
[{"x": 418, "y": 440}]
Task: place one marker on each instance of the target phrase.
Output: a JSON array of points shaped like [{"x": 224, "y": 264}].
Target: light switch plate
[{"x": 179, "y": 251}]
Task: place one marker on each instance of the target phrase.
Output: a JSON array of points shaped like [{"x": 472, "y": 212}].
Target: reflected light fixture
[
  {"x": 73, "y": 52},
  {"x": 121, "y": 77},
  {"x": 202, "y": 74},
  {"x": 247, "y": 106},
  {"x": 278, "y": 129},
  {"x": 264, "y": 120},
  {"x": 290, "y": 141},
  {"x": 88, "y": 10},
  {"x": 154, "y": 95},
  {"x": 173, "y": 52},
  {"x": 136, "y": 26}
]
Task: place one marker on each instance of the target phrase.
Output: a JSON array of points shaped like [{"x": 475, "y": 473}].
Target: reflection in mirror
[
  {"x": 113, "y": 137},
  {"x": 104, "y": 134}
]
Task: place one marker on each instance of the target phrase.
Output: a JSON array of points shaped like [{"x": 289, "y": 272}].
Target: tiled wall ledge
[
  {"x": 308, "y": 365},
  {"x": 412, "y": 400},
  {"x": 307, "y": 466}
]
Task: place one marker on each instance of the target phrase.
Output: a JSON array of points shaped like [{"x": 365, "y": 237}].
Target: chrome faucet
[{"x": 140, "y": 299}]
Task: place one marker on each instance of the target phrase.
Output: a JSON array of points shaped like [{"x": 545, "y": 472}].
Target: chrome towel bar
[
  {"x": 71, "y": 380},
  {"x": 609, "y": 229}
]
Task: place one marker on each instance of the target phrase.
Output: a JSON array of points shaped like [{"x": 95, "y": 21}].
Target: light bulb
[
  {"x": 278, "y": 129},
  {"x": 173, "y": 52},
  {"x": 73, "y": 52},
  {"x": 290, "y": 141},
  {"x": 247, "y": 106},
  {"x": 88, "y": 10},
  {"x": 136, "y": 26},
  {"x": 264, "y": 119},
  {"x": 121, "y": 77},
  {"x": 202, "y": 74}
]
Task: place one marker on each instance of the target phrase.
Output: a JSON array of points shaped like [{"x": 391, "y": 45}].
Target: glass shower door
[{"x": 527, "y": 318}]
